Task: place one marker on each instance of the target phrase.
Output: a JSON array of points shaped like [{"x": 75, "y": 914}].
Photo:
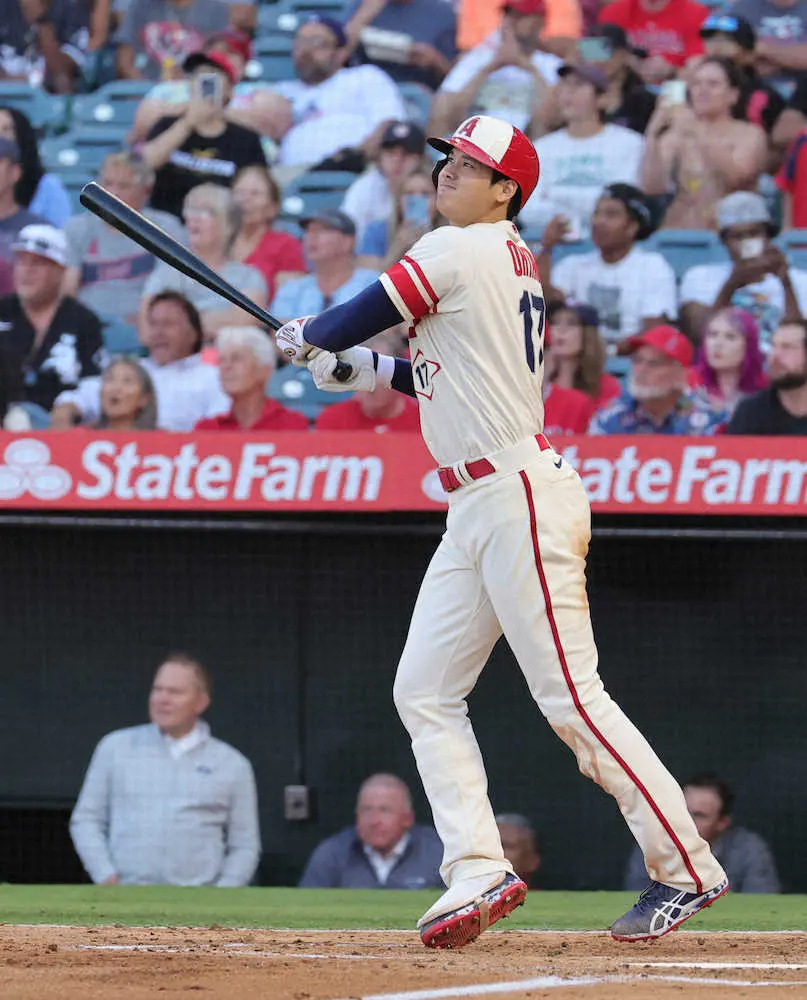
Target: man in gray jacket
[{"x": 166, "y": 803}]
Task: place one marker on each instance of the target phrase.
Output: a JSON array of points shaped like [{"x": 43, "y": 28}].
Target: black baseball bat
[{"x": 138, "y": 228}]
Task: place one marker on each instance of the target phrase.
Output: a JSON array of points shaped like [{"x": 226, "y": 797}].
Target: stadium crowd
[{"x": 285, "y": 144}]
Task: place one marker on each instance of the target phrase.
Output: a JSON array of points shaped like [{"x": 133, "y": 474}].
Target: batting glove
[
  {"x": 362, "y": 379},
  {"x": 291, "y": 342}
]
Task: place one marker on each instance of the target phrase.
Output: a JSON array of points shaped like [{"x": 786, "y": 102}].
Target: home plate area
[{"x": 39, "y": 962}]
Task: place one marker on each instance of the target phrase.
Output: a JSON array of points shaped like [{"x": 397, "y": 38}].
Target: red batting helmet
[{"x": 499, "y": 145}]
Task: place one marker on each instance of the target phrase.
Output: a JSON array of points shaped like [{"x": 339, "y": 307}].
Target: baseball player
[{"x": 512, "y": 559}]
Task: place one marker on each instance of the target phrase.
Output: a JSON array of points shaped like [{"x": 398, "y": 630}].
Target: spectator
[
  {"x": 520, "y": 845},
  {"x": 668, "y": 30},
  {"x": 566, "y": 411},
  {"x": 577, "y": 160},
  {"x": 371, "y": 197},
  {"x": 744, "y": 855},
  {"x": 128, "y": 400},
  {"x": 781, "y": 27},
  {"x": 44, "y": 43},
  {"x": 107, "y": 271},
  {"x": 782, "y": 407},
  {"x": 414, "y": 214},
  {"x": 427, "y": 49},
  {"x": 157, "y": 36},
  {"x": 13, "y": 416},
  {"x": 627, "y": 101},
  {"x": 792, "y": 181},
  {"x": 201, "y": 145},
  {"x": 385, "y": 849},
  {"x": 757, "y": 278},
  {"x": 329, "y": 243},
  {"x": 57, "y": 341},
  {"x": 730, "y": 365},
  {"x": 733, "y": 38},
  {"x": 277, "y": 255},
  {"x": 793, "y": 120},
  {"x": 186, "y": 389},
  {"x": 334, "y": 108},
  {"x": 657, "y": 400},
  {"x": 166, "y": 803},
  {"x": 701, "y": 152},
  {"x": 212, "y": 219},
  {"x": 381, "y": 410},
  {"x": 630, "y": 288},
  {"x": 508, "y": 75},
  {"x": 40, "y": 192},
  {"x": 576, "y": 356},
  {"x": 246, "y": 363},
  {"x": 12, "y": 216}
]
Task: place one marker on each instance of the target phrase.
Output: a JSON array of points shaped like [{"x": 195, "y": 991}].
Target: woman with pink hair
[{"x": 730, "y": 364}]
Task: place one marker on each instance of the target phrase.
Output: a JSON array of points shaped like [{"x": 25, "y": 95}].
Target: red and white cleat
[{"x": 459, "y": 926}]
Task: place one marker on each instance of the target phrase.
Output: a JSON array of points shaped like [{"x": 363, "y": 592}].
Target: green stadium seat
[
  {"x": 46, "y": 112},
  {"x": 294, "y": 387},
  {"x": 314, "y": 191},
  {"x": 793, "y": 243},
  {"x": 114, "y": 105},
  {"x": 685, "y": 248},
  {"x": 271, "y": 60},
  {"x": 82, "y": 149},
  {"x": 38, "y": 415},
  {"x": 418, "y": 101},
  {"x": 120, "y": 337}
]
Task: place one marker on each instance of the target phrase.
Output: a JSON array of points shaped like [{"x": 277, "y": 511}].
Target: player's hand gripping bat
[{"x": 138, "y": 228}]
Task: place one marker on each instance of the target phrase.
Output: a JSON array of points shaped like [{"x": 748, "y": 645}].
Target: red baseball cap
[
  {"x": 235, "y": 40},
  {"x": 665, "y": 339},
  {"x": 525, "y": 7}
]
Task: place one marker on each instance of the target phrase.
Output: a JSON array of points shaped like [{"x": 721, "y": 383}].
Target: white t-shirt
[
  {"x": 339, "y": 112},
  {"x": 624, "y": 294},
  {"x": 765, "y": 299},
  {"x": 368, "y": 199},
  {"x": 507, "y": 93},
  {"x": 574, "y": 172},
  {"x": 476, "y": 349},
  {"x": 186, "y": 392}
]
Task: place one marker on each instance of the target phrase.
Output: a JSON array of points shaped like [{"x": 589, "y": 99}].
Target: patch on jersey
[{"x": 423, "y": 371}]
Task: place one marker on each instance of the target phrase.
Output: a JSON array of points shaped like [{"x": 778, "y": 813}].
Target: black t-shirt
[
  {"x": 200, "y": 160},
  {"x": 760, "y": 103},
  {"x": 798, "y": 100},
  {"x": 638, "y": 104},
  {"x": 72, "y": 348},
  {"x": 763, "y": 413}
]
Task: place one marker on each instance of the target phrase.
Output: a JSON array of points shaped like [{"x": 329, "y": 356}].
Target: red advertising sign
[{"x": 83, "y": 470}]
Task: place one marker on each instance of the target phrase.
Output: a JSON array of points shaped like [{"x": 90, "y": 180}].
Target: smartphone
[
  {"x": 752, "y": 248},
  {"x": 210, "y": 87},
  {"x": 595, "y": 50},
  {"x": 673, "y": 92},
  {"x": 417, "y": 209}
]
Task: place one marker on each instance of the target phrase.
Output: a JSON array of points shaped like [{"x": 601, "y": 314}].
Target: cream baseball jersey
[{"x": 477, "y": 312}]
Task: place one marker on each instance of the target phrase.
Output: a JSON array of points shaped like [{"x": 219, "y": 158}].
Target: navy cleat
[
  {"x": 660, "y": 909},
  {"x": 459, "y": 926}
]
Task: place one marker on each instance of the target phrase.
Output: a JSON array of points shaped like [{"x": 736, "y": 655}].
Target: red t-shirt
[
  {"x": 349, "y": 416},
  {"x": 273, "y": 418},
  {"x": 673, "y": 32},
  {"x": 793, "y": 179},
  {"x": 610, "y": 388},
  {"x": 276, "y": 252},
  {"x": 566, "y": 411}
]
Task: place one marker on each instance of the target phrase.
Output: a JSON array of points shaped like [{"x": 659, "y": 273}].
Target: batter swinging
[{"x": 512, "y": 559}]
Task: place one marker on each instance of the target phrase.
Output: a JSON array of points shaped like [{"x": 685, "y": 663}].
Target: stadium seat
[
  {"x": 82, "y": 149},
  {"x": 74, "y": 181},
  {"x": 617, "y": 365},
  {"x": 271, "y": 60},
  {"x": 418, "y": 102},
  {"x": 793, "y": 243},
  {"x": 114, "y": 105},
  {"x": 314, "y": 191},
  {"x": 38, "y": 415},
  {"x": 46, "y": 112},
  {"x": 294, "y": 388},
  {"x": 685, "y": 248},
  {"x": 120, "y": 337}
]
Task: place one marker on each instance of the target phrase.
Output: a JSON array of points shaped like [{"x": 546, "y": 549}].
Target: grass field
[{"x": 160, "y": 906}]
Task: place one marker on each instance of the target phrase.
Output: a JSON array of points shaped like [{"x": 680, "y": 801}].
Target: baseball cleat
[
  {"x": 460, "y": 926},
  {"x": 660, "y": 909}
]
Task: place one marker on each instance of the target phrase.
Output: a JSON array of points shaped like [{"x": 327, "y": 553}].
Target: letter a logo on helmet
[{"x": 498, "y": 145}]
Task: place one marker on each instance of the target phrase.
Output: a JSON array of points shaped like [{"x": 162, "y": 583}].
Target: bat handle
[{"x": 342, "y": 371}]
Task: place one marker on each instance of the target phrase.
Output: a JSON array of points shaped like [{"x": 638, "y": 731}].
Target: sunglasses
[{"x": 721, "y": 22}]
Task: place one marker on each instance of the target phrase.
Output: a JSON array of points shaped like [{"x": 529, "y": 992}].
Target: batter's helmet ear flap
[{"x": 436, "y": 171}]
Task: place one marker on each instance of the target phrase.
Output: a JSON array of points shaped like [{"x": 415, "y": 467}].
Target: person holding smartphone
[
  {"x": 414, "y": 214},
  {"x": 200, "y": 145},
  {"x": 627, "y": 101}
]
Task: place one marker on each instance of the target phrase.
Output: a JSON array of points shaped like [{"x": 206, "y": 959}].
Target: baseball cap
[
  {"x": 44, "y": 241},
  {"x": 665, "y": 339},
  {"x": 617, "y": 36},
  {"x": 332, "y": 24},
  {"x": 587, "y": 314},
  {"x": 235, "y": 40},
  {"x": 636, "y": 203},
  {"x": 742, "y": 208},
  {"x": 524, "y": 7},
  {"x": 588, "y": 72},
  {"x": 218, "y": 60},
  {"x": 404, "y": 134},
  {"x": 9, "y": 150},
  {"x": 331, "y": 217},
  {"x": 728, "y": 24}
]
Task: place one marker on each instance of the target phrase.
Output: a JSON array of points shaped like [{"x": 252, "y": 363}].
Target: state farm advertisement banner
[{"x": 83, "y": 470}]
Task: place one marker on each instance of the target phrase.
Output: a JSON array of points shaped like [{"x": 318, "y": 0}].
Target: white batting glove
[
  {"x": 291, "y": 342},
  {"x": 363, "y": 379}
]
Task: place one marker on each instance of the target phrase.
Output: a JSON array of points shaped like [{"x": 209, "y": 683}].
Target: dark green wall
[{"x": 702, "y": 642}]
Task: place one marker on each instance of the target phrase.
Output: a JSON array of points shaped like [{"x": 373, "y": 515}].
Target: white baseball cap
[{"x": 45, "y": 241}]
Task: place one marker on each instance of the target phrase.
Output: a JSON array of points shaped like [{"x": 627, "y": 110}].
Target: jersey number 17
[{"x": 533, "y": 307}]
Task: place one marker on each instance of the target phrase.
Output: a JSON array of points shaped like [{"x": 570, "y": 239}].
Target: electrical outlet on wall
[{"x": 297, "y": 802}]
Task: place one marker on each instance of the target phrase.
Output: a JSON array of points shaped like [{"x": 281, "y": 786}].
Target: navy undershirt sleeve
[
  {"x": 353, "y": 322},
  {"x": 402, "y": 379}
]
